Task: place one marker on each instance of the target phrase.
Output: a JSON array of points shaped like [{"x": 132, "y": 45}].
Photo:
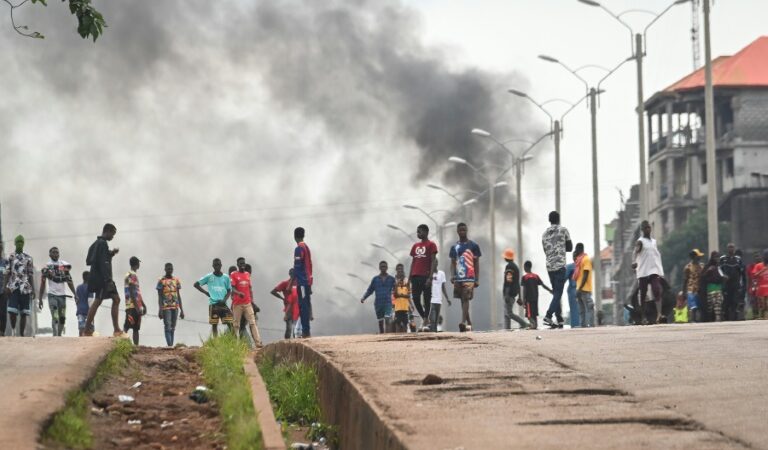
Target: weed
[{"x": 293, "y": 390}]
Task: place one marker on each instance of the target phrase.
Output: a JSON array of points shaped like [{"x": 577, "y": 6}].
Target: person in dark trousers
[
  {"x": 19, "y": 285},
  {"x": 582, "y": 275},
  {"x": 302, "y": 269},
  {"x": 511, "y": 291},
  {"x": 56, "y": 277},
  {"x": 530, "y": 298},
  {"x": 100, "y": 280},
  {"x": 3, "y": 297},
  {"x": 465, "y": 273},
  {"x": 134, "y": 303},
  {"x": 712, "y": 280},
  {"x": 649, "y": 271},
  {"x": 556, "y": 242},
  {"x": 423, "y": 263},
  {"x": 169, "y": 304},
  {"x": 733, "y": 267},
  {"x": 383, "y": 285},
  {"x": 573, "y": 304},
  {"x": 82, "y": 302}
]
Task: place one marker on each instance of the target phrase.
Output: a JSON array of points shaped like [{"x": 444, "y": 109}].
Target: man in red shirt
[
  {"x": 286, "y": 291},
  {"x": 760, "y": 277},
  {"x": 751, "y": 298},
  {"x": 241, "y": 300},
  {"x": 424, "y": 254}
]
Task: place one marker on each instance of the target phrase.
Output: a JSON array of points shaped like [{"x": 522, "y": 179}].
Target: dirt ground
[{"x": 169, "y": 418}]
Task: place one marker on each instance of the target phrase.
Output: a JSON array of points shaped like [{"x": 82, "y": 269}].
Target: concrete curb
[
  {"x": 271, "y": 434},
  {"x": 361, "y": 424}
]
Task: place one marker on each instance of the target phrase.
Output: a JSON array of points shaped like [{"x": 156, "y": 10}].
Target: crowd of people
[{"x": 17, "y": 292}]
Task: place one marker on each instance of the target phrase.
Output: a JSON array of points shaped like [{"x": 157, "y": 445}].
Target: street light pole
[
  {"x": 519, "y": 183},
  {"x": 557, "y": 168},
  {"x": 596, "y": 262},
  {"x": 713, "y": 238}
]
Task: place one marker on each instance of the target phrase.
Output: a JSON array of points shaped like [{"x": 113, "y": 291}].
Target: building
[
  {"x": 623, "y": 232},
  {"x": 677, "y": 165}
]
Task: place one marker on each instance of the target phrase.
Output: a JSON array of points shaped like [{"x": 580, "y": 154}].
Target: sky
[{"x": 205, "y": 132}]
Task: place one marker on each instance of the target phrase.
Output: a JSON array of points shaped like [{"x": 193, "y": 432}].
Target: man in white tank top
[{"x": 647, "y": 264}]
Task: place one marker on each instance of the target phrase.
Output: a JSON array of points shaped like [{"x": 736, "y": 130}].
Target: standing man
[
  {"x": 83, "y": 300},
  {"x": 169, "y": 303},
  {"x": 242, "y": 301},
  {"x": 134, "y": 302},
  {"x": 438, "y": 293},
  {"x": 571, "y": 291},
  {"x": 100, "y": 280},
  {"x": 582, "y": 275},
  {"x": 760, "y": 276},
  {"x": 219, "y": 290},
  {"x": 465, "y": 273},
  {"x": 19, "y": 285},
  {"x": 511, "y": 290},
  {"x": 56, "y": 272},
  {"x": 733, "y": 268},
  {"x": 691, "y": 284},
  {"x": 423, "y": 263},
  {"x": 383, "y": 285},
  {"x": 3, "y": 297},
  {"x": 556, "y": 242},
  {"x": 286, "y": 291},
  {"x": 302, "y": 269},
  {"x": 647, "y": 264},
  {"x": 750, "y": 284}
]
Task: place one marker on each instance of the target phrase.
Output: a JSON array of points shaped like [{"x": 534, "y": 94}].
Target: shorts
[
  {"x": 532, "y": 309},
  {"x": 219, "y": 312},
  {"x": 401, "y": 318},
  {"x": 464, "y": 290},
  {"x": 103, "y": 290},
  {"x": 81, "y": 318},
  {"x": 692, "y": 300},
  {"x": 132, "y": 319},
  {"x": 18, "y": 303},
  {"x": 383, "y": 310}
]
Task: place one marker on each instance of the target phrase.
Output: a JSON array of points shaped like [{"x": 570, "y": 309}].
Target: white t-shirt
[
  {"x": 438, "y": 279},
  {"x": 57, "y": 275},
  {"x": 648, "y": 259}
]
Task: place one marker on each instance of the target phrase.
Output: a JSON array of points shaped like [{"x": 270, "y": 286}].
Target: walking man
[
  {"x": 302, "y": 269},
  {"x": 424, "y": 261},
  {"x": 465, "y": 273},
  {"x": 19, "y": 285},
  {"x": 169, "y": 303},
  {"x": 383, "y": 285},
  {"x": 134, "y": 302},
  {"x": 691, "y": 285},
  {"x": 242, "y": 301},
  {"x": 582, "y": 275},
  {"x": 219, "y": 290},
  {"x": 511, "y": 291},
  {"x": 100, "y": 280},
  {"x": 733, "y": 268},
  {"x": 556, "y": 242},
  {"x": 56, "y": 273},
  {"x": 648, "y": 269},
  {"x": 438, "y": 294}
]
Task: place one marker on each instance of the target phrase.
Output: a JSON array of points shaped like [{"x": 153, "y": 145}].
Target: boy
[
  {"x": 531, "y": 283},
  {"x": 56, "y": 274},
  {"x": 169, "y": 302},
  {"x": 511, "y": 290},
  {"x": 242, "y": 301},
  {"x": 402, "y": 300},
  {"x": 134, "y": 303},
  {"x": 465, "y": 273},
  {"x": 302, "y": 269},
  {"x": 290, "y": 300},
  {"x": 582, "y": 275},
  {"x": 219, "y": 290},
  {"x": 438, "y": 292},
  {"x": 691, "y": 276},
  {"x": 83, "y": 300},
  {"x": 681, "y": 309},
  {"x": 383, "y": 285}
]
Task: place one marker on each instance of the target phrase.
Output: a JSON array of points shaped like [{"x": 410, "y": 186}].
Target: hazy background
[{"x": 207, "y": 129}]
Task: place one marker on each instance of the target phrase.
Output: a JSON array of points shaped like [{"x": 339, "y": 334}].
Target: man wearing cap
[
  {"x": 134, "y": 303},
  {"x": 19, "y": 285},
  {"x": 56, "y": 274},
  {"x": 511, "y": 290},
  {"x": 691, "y": 279}
]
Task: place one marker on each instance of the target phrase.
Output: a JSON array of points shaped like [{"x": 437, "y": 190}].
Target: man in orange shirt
[{"x": 760, "y": 277}]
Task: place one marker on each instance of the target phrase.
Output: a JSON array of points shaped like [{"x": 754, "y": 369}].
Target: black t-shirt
[
  {"x": 100, "y": 259},
  {"x": 511, "y": 280},
  {"x": 531, "y": 283}
]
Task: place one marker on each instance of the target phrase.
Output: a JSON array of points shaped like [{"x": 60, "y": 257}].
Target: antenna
[{"x": 695, "y": 45}]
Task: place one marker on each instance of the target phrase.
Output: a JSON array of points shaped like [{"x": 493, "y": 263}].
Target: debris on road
[
  {"x": 125, "y": 398},
  {"x": 432, "y": 379}
]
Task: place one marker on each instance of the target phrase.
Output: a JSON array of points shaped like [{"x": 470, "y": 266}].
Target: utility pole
[
  {"x": 713, "y": 237},
  {"x": 641, "y": 127},
  {"x": 596, "y": 281},
  {"x": 493, "y": 286},
  {"x": 519, "y": 212},
  {"x": 557, "y": 173}
]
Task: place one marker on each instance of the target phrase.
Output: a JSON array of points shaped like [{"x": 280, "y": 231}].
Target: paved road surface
[
  {"x": 36, "y": 373},
  {"x": 693, "y": 386}
]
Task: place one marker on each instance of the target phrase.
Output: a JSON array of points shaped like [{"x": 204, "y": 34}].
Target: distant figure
[
  {"x": 83, "y": 300},
  {"x": 423, "y": 263},
  {"x": 465, "y": 273},
  {"x": 752, "y": 285},
  {"x": 438, "y": 294},
  {"x": 556, "y": 242},
  {"x": 3, "y": 296},
  {"x": 733, "y": 268},
  {"x": 56, "y": 274},
  {"x": 383, "y": 285},
  {"x": 713, "y": 279},
  {"x": 100, "y": 280},
  {"x": 647, "y": 264},
  {"x": 242, "y": 301},
  {"x": 691, "y": 281},
  {"x": 19, "y": 286},
  {"x": 530, "y": 298},
  {"x": 134, "y": 302},
  {"x": 760, "y": 276},
  {"x": 219, "y": 290},
  {"x": 169, "y": 304},
  {"x": 511, "y": 291},
  {"x": 402, "y": 299},
  {"x": 573, "y": 305},
  {"x": 681, "y": 308},
  {"x": 302, "y": 269},
  {"x": 286, "y": 291},
  {"x": 582, "y": 275}
]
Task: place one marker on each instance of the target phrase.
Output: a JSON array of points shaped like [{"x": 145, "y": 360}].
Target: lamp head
[
  {"x": 479, "y": 132},
  {"x": 516, "y": 92},
  {"x": 471, "y": 201},
  {"x": 591, "y": 3},
  {"x": 457, "y": 160},
  {"x": 548, "y": 58}
]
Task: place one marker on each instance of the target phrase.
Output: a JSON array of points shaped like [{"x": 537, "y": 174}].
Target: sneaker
[
  {"x": 462, "y": 327},
  {"x": 548, "y": 322},
  {"x": 560, "y": 324},
  {"x": 469, "y": 327}
]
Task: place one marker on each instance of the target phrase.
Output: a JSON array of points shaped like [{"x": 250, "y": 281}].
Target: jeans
[
  {"x": 573, "y": 304},
  {"x": 434, "y": 316},
  {"x": 586, "y": 309},
  {"x": 305, "y": 309},
  {"x": 509, "y": 314},
  {"x": 422, "y": 294},
  {"x": 558, "y": 279},
  {"x": 58, "y": 306},
  {"x": 169, "y": 323},
  {"x": 288, "y": 328}
]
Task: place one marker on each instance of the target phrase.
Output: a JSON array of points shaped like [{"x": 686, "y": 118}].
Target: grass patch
[
  {"x": 69, "y": 427},
  {"x": 292, "y": 388},
  {"x": 222, "y": 361}
]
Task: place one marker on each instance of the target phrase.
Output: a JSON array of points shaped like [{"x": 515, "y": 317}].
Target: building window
[
  {"x": 729, "y": 167},
  {"x": 704, "y": 173},
  {"x": 651, "y": 180}
]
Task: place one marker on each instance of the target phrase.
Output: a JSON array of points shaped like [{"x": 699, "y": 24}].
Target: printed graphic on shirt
[
  {"x": 20, "y": 268},
  {"x": 132, "y": 281},
  {"x": 465, "y": 253},
  {"x": 57, "y": 274},
  {"x": 169, "y": 292},
  {"x": 553, "y": 241}
]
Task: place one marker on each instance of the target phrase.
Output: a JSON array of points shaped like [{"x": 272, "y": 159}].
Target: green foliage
[
  {"x": 693, "y": 234},
  {"x": 69, "y": 427},
  {"x": 293, "y": 390},
  {"x": 222, "y": 361},
  {"x": 90, "y": 22}
]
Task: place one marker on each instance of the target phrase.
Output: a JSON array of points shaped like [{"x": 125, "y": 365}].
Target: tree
[{"x": 90, "y": 22}]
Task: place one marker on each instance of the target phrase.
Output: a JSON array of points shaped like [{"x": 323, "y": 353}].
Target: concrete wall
[
  {"x": 750, "y": 111},
  {"x": 749, "y": 216}
]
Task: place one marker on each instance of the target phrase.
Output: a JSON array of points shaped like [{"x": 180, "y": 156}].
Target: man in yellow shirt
[
  {"x": 402, "y": 299},
  {"x": 583, "y": 277}
]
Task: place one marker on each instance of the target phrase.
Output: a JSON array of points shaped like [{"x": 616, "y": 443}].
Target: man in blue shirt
[
  {"x": 382, "y": 284},
  {"x": 465, "y": 273},
  {"x": 219, "y": 290},
  {"x": 302, "y": 269},
  {"x": 82, "y": 301}
]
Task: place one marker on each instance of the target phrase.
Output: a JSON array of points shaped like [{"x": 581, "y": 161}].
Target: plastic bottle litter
[
  {"x": 125, "y": 398},
  {"x": 136, "y": 385},
  {"x": 166, "y": 424},
  {"x": 538, "y": 338},
  {"x": 134, "y": 422}
]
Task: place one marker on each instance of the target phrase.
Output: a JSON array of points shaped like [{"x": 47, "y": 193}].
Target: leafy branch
[{"x": 90, "y": 22}]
